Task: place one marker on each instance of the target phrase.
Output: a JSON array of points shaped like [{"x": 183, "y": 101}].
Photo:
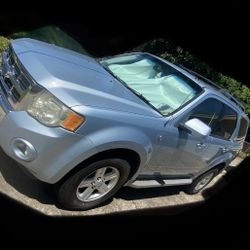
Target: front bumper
[{"x": 57, "y": 150}]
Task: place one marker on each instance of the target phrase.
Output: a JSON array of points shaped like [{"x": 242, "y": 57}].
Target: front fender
[{"x": 123, "y": 137}]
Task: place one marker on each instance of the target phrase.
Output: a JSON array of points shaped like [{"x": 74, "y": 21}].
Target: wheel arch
[
  {"x": 131, "y": 156},
  {"x": 219, "y": 165}
]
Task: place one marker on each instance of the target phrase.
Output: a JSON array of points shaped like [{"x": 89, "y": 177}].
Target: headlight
[{"x": 48, "y": 110}]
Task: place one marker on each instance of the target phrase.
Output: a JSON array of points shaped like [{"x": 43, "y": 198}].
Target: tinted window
[
  {"x": 218, "y": 116},
  {"x": 225, "y": 126},
  {"x": 208, "y": 111},
  {"x": 243, "y": 128}
]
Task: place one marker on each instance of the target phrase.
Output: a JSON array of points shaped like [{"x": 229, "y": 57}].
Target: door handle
[
  {"x": 201, "y": 145},
  {"x": 224, "y": 149}
]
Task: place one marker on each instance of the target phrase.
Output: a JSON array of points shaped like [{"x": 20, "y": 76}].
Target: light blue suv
[{"x": 92, "y": 126}]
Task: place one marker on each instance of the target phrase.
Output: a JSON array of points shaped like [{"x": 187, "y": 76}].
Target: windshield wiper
[{"x": 141, "y": 96}]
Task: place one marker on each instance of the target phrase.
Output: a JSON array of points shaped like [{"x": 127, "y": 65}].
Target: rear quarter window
[{"x": 242, "y": 129}]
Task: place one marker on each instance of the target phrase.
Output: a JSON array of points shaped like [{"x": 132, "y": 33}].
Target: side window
[
  {"x": 243, "y": 129},
  {"x": 218, "y": 116},
  {"x": 225, "y": 126},
  {"x": 208, "y": 111}
]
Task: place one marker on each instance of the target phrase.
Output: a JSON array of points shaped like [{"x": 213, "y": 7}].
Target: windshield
[{"x": 156, "y": 82}]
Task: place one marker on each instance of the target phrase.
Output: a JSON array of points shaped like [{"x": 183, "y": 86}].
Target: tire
[
  {"x": 194, "y": 187},
  {"x": 93, "y": 185}
]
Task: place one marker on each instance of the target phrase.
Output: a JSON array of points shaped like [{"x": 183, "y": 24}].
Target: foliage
[
  {"x": 19, "y": 34},
  {"x": 177, "y": 55},
  {"x": 4, "y": 42}
]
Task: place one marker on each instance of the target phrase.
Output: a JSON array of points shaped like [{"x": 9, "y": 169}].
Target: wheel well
[
  {"x": 219, "y": 167},
  {"x": 130, "y": 156}
]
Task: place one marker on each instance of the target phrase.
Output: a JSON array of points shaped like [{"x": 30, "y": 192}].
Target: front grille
[{"x": 15, "y": 80}]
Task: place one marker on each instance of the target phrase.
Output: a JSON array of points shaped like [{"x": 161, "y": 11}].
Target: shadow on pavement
[
  {"x": 227, "y": 198},
  {"x": 232, "y": 174},
  {"x": 14, "y": 175},
  {"x": 129, "y": 193}
]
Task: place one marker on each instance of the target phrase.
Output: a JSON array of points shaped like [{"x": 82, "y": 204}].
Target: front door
[{"x": 181, "y": 153}]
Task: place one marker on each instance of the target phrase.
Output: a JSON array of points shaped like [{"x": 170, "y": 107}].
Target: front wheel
[
  {"x": 201, "y": 181},
  {"x": 93, "y": 185}
]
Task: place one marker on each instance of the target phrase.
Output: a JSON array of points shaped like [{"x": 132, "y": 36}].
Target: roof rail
[
  {"x": 223, "y": 91},
  {"x": 232, "y": 98},
  {"x": 200, "y": 76}
]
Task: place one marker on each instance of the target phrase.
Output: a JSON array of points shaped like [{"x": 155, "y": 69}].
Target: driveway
[{"x": 40, "y": 196}]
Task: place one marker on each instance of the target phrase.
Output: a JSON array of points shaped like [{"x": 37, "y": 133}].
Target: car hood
[{"x": 76, "y": 79}]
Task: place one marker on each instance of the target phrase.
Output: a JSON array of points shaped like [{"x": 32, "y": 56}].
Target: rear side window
[
  {"x": 218, "y": 116},
  {"x": 243, "y": 129}
]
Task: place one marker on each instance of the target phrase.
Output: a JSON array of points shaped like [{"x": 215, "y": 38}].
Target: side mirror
[{"x": 196, "y": 127}]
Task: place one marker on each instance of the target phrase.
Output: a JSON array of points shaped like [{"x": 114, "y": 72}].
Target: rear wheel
[
  {"x": 93, "y": 185},
  {"x": 201, "y": 181}
]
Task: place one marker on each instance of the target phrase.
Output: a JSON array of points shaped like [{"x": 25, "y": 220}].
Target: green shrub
[{"x": 4, "y": 42}]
